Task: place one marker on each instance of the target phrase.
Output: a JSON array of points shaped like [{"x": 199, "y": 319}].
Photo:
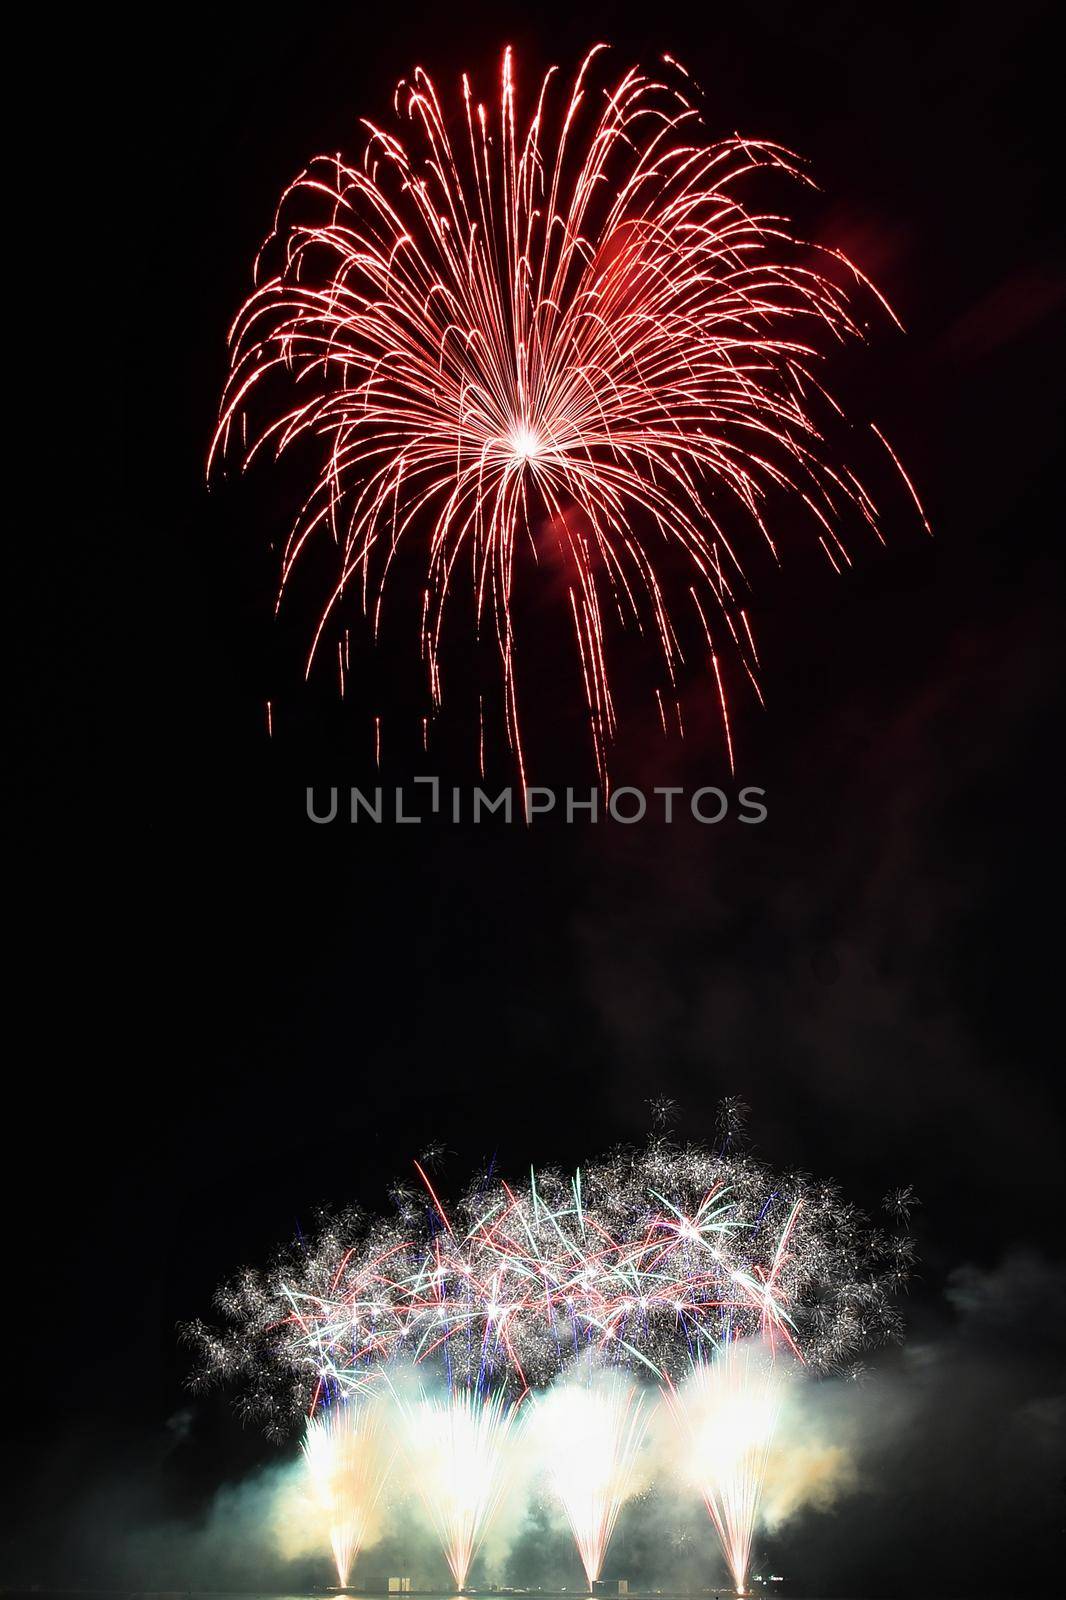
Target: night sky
[{"x": 224, "y": 1016}]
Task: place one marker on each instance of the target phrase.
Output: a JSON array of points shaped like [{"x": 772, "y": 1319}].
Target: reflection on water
[{"x": 753, "y": 1593}]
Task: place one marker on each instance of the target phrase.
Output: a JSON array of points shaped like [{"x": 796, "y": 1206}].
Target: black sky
[{"x": 224, "y": 1016}]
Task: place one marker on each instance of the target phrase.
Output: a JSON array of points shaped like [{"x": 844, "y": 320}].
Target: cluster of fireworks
[
  {"x": 572, "y": 345},
  {"x": 584, "y": 1446},
  {"x": 545, "y": 1321}
]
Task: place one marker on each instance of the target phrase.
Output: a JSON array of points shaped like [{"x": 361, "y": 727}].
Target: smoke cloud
[{"x": 949, "y": 1445}]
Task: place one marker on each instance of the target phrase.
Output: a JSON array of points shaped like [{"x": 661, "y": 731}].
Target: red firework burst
[{"x": 571, "y": 333}]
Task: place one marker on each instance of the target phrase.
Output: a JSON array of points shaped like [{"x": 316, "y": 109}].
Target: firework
[
  {"x": 571, "y": 350},
  {"x": 457, "y": 1450},
  {"x": 698, "y": 1271},
  {"x": 347, "y": 1461},
  {"x": 588, "y": 1434},
  {"x": 726, "y": 1412},
  {"x": 645, "y": 1260}
]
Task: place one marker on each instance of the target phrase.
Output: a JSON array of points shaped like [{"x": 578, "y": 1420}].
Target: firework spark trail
[
  {"x": 645, "y": 1260},
  {"x": 726, "y": 1412},
  {"x": 348, "y": 1459},
  {"x": 457, "y": 1449},
  {"x": 588, "y": 1434},
  {"x": 571, "y": 338}
]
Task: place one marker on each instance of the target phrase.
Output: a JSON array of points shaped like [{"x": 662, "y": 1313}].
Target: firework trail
[
  {"x": 726, "y": 1412},
  {"x": 569, "y": 350},
  {"x": 348, "y": 1460},
  {"x": 645, "y": 1260},
  {"x": 457, "y": 1450},
  {"x": 588, "y": 1434}
]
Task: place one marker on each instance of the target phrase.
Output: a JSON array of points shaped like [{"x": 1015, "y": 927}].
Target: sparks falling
[{"x": 569, "y": 349}]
